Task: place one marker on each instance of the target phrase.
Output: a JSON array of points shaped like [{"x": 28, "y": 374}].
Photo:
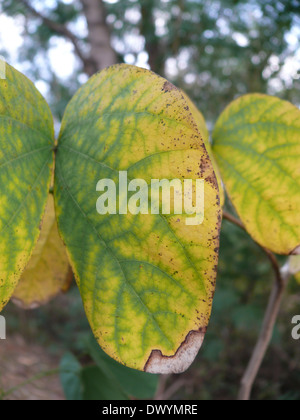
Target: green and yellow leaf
[
  {"x": 256, "y": 143},
  {"x": 147, "y": 281},
  {"x": 26, "y": 160},
  {"x": 48, "y": 272},
  {"x": 199, "y": 118}
]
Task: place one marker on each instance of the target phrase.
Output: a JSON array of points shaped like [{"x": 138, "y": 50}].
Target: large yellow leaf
[
  {"x": 147, "y": 281},
  {"x": 200, "y": 120},
  {"x": 48, "y": 272},
  {"x": 256, "y": 142},
  {"x": 26, "y": 160}
]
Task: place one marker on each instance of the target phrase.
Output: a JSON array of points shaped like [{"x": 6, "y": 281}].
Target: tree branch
[
  {"x": 61, "y": 30},
  {"x": 152, "y": 42},
  {"x": 233, "y": 220},
  {"x": 263, "y": 341},
  {"x": 269, "y": 322},
  {"x": 102, "y": 54},
  {"x": 167, "y": 394}
]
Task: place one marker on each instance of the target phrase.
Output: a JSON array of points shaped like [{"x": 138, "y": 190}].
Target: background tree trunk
[
  {"x": 101, "y": 52},
  {"x": 152, "y": 44}
]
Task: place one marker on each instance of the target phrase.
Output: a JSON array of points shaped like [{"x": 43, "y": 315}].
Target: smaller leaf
[
  {"x": 86, "y": 383},
  {"x": 256, "y": 142},
  {"x": 48, "y": 272},
  {"x": 107, "y": 380},
  {"x": 70, "y": 377},
  {"x": 26, "y": 162},
  {"x": 98, "y": 387}
]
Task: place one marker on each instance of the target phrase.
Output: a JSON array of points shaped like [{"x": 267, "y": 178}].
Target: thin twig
[
  {"x": 174, "y": 388},
  {"x": 263, "y": 341},
  {"x": 60, "y": 29},
  {"x": 233, "y": 220},
  {"x": 167, "y": 393},
  {"x": 161, "y": 387},
  {"x": 276, "y": 267},
  {"x": 269, "y": 322}
]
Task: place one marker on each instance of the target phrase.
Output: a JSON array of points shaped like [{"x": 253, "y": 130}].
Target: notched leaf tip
[{"x": 181, "y": 361}]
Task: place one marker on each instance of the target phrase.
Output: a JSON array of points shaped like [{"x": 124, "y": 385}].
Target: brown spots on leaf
[
  {"x": 203, "y": 329},
  {"x": 182, "y": 359},
  {"x": 168, "y": 87},
  {"x": 215, "y": 268},
  {"x": 219, "y": 220},
  {"x": 212, "y": 180},
  {"x": 205, "y": 165}
]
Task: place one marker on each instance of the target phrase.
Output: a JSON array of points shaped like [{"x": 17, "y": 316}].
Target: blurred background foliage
[{"x": 214, "y": 50}]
